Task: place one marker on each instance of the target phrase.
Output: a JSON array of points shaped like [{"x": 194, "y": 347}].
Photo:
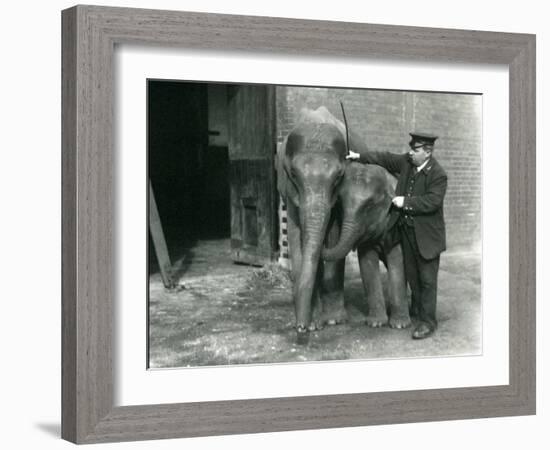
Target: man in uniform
[{"x": 416, "y": 220}]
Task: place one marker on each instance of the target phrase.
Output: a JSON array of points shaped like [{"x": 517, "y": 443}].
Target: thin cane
[{"x": 346, "y": 126}]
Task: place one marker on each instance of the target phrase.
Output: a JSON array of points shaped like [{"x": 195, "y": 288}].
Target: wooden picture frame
[{"x": 89, "y": 36}]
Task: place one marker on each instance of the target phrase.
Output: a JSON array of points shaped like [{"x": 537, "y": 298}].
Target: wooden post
[{"x": 161, "y": 250}]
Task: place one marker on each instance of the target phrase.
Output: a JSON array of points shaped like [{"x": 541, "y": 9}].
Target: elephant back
[
  {"x": 319, "y": 116},
  {"x": 365, "y": 179},
  {"x": 392, "y": 182}
]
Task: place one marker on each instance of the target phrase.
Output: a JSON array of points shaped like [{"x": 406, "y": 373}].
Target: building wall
[{"x": 384, "y": 119}]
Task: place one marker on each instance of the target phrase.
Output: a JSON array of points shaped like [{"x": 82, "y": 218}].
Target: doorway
[{"x": 210, "y": 161}]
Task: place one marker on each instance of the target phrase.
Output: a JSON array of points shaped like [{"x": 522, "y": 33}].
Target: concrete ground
[{"x": 225, "y": 313}]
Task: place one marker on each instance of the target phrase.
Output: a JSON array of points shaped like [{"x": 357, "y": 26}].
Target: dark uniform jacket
[{"x": 423, "y": 191}]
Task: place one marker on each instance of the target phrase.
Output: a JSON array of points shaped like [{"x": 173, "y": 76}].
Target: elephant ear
[{"x": 285, "y": 186}]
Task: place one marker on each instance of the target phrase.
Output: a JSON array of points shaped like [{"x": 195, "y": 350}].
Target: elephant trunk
[
  {"x": 315, "y": 218},
  {"x": 348, "y": 238}
]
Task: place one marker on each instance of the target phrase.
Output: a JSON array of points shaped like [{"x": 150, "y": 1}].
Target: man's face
[{"x": 418, "y": 153}]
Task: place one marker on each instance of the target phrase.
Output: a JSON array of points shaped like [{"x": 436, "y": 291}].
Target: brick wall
[{"x": 384, "y": 119}]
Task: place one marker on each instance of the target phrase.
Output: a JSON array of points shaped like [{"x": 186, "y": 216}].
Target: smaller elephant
[{"x": 365, "y": 195}]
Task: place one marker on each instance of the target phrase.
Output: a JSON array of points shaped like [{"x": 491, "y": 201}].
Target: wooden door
[{"x": 252, "y": 144}]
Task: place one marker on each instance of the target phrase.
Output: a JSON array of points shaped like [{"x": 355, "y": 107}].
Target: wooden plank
[
  {"x": 89, "y": 212},
  {"x": 522, "y": 226},
  {"x": 161, "y": 250},
  {"x": 69, "y": 259}
]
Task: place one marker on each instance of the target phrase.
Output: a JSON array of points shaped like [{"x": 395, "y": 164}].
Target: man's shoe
[{"x": 423, "y": 330}]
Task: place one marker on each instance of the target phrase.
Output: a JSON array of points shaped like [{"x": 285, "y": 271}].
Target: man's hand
[
  {"x": 398, "y": 201},
  {"x": 353, "y": 156}
]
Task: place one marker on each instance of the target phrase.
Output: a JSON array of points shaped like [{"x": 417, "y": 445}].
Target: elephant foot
[
  {"x": 400, "y": 321},
  {"x": 376, "y": 320},
  {"x": 334, "y": 312},
  {"x": 335, "y": 317},
  {"x": 302, "y": 335},
  {"x": 317, "y": 323}
]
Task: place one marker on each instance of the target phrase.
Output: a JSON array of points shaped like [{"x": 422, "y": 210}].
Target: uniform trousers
[{"x": 421, "y": 275}]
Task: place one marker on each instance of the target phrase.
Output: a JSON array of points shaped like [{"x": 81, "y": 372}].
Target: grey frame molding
[{"x": 89, "y": 36}]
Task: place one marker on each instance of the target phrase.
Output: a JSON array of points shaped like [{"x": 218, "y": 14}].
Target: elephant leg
[
  {"x": 399, "y": 305},
  {"x": 369, "y": 265},
  {"x": 328, "y": 295},
  {"x": 332, "y": 287},
  {"x": 332, "y": 295},
  {"x": 294, "y": 240},
  {"x": 295, "y": 251},
  {"x": 317, "y": 301}
]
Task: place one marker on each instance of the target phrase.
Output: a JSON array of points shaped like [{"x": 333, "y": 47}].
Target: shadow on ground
[
  {"x": 52, "y": 429},
  {"x": 233, "y": 314}
]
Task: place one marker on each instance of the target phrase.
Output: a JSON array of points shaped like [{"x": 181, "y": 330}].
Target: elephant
[
  {"x": 365, "y": 195},
  {"x": 310, "y": 165}
]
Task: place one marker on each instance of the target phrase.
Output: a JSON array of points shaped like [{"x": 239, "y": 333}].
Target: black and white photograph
[
  {"x": 274, "y": 225},
  {"x": 296, "y": 224}
]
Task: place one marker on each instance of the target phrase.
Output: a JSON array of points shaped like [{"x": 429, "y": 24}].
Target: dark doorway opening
[{"x": 188, "y": 164}]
